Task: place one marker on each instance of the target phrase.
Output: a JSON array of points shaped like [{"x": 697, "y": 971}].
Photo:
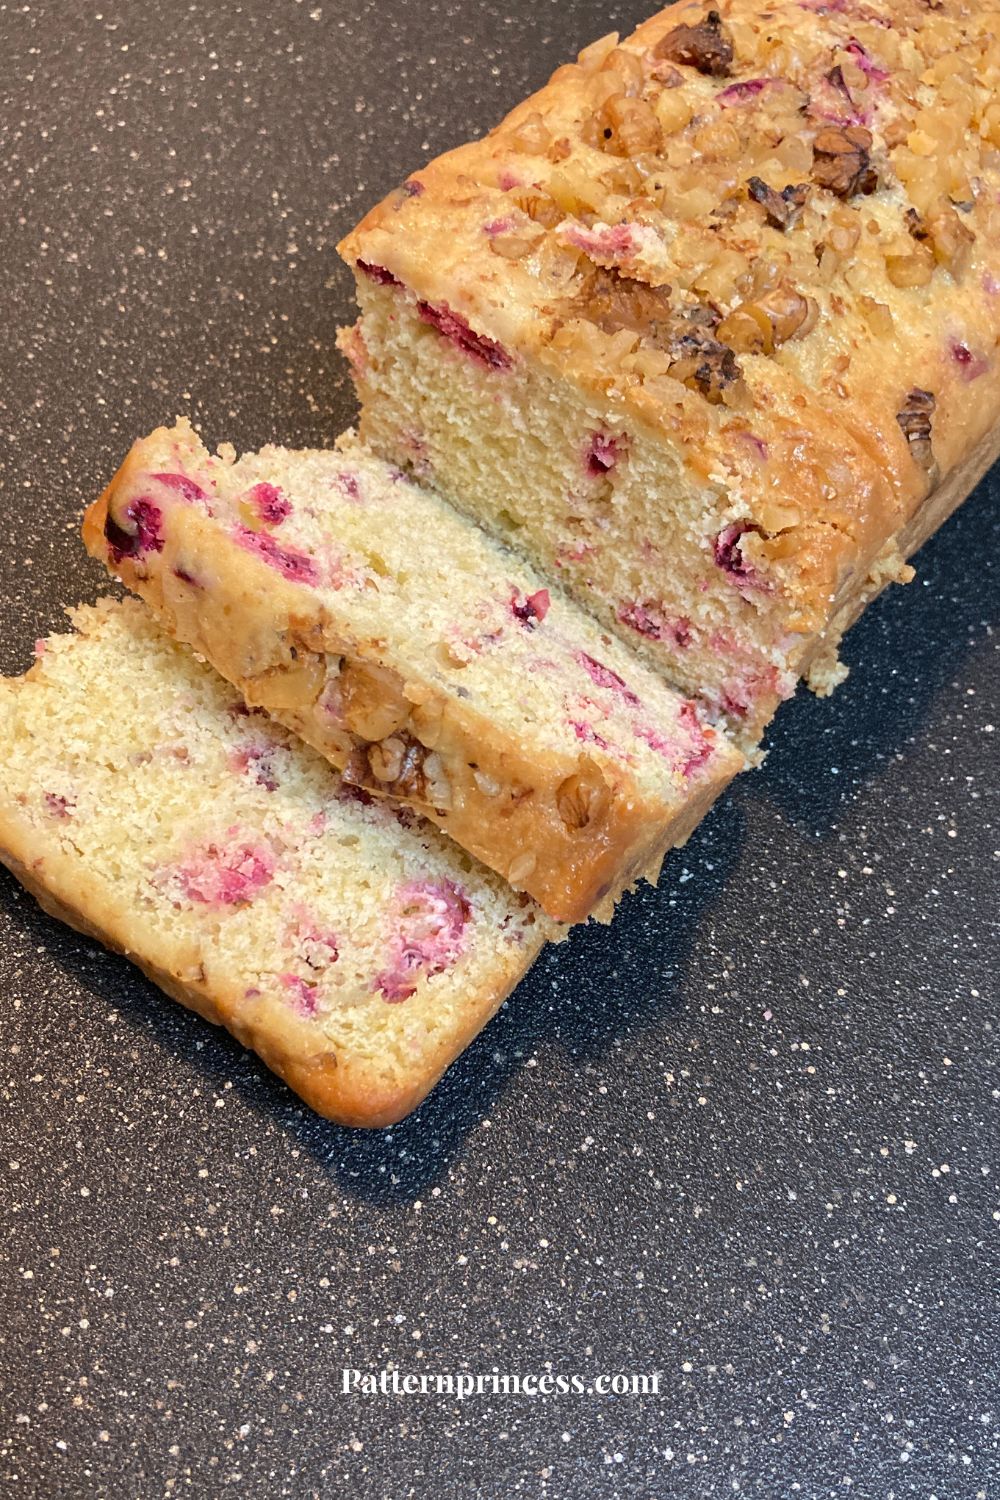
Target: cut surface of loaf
[
  {"x": 141, "y": 802},
  {"x": 709, "y": 324},
  {"x": 419, "y": 655}
]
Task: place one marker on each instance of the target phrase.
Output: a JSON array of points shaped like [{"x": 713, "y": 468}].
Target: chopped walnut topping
[
  {"x": 910, "y": 270},
  {"x": 703, "y": 362},
  {"x": 628, "y": 127},
  {"x": 538, "y": 206},
  {"x": 531, "y": 136},
  {"x": 760, "y": 326},
  {"x": 842, "y": 161},
  {"x": 782, "y": 210},
  {"x": 951, "y": 240},
  {"x": 685, "y": 335},
  {"x": 916, "y": 419},
  {"x": 708, "y": 46}
]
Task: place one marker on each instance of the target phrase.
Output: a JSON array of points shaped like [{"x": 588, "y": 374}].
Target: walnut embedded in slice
[
  {"x": 842, "y": 161},
  {"x": 782, "y": 210},
  {"x": 583, "y": 798},
  {"x": 400, "y": 766},
  {"x": 916, "y": 419},
  {"x": 706, "y": 46}
]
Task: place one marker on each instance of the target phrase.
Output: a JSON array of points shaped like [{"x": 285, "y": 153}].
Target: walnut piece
[
  {"x": 400, "y": 766},
  {"x": 761, "y": 325},
  {"x": 782, "y": 210},
  {"x": 583, "y": 797},
  {"x": 916, "y": 419},
  {"x": 842, "y": 161},
  {"x": 371, "y": 699},
  {"x": 628, "y": 127},
  {"x": 707, "y": 46},
  {"x": 685, "y": 335}
]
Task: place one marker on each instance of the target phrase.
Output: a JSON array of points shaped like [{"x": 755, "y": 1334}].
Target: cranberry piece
[
  {"x": 728, "y": 553},
  {"x": 182, "y": 484},
  {"x": 702, "y": 739},
  {"x": 270, "y": 504},
  {"x": 645, "y": 619},
  {"x": 532, "y": 609},
  {"x": 604, "y": 677},
  {"x": 430, "y": 936},
  {"x": 603, "y": 454},
  {"x": 458, "y": 332},
  {"x": 378, "y": 274},
  {"x": 292, "y": 565},
  {"x": 971, "y": 365},
  {"x": 145, "y": 535},
  {"x": 303, "y": 992}
]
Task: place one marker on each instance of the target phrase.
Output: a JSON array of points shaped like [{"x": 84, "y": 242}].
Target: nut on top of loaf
[{"x": 779, "y": 221}]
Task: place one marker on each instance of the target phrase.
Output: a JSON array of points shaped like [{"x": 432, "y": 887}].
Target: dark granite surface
[{"x": 746, "y": 1138}]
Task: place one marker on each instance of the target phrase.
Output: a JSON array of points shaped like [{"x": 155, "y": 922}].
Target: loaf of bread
[
  {"x": 709, "y": 324},
  {"x": 419, "y": 656},
  {"x": 356, "y": 951}
]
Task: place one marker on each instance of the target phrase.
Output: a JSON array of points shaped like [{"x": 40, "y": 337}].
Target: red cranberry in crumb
[
  {"x": 701, "y": 736},
  {"x": 303, "y": 993},
  {"x": 645, "y": 619},
  {"x": 142, "y": 534},
  {"x": 413, "y": 187},
  {"x": 184, "y": 486},
  {"x": 270, "y": 504},
  {"x": 532, "y": 609},
  {"x": 588, "y": 734},
  {"x": 605, "y": 677},
  {"x": 431, "y": 919},
  {"x": 378, "y": 274},
  {"x": 256, "y": 761},
  {"x": 603, "y": 453},
  {"x": 219, "y": 875},
  {"x": 57, "y": 805},
  {"x": 729, "y": 557},
  {"x": 457, "y": 331},
  {"x": 292, "y": 565}
]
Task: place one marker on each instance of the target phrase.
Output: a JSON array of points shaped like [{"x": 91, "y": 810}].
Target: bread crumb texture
[{"x": 351, "y": 945}]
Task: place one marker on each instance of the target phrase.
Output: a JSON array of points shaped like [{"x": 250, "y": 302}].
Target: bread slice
[
  {"x": 356, "y": 952},
  {"x": 709, "y": 324},
  {"x": 419, "y": 656}
]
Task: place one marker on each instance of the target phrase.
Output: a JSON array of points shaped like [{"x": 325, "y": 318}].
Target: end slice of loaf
[
  {"x": 142, "y": 803},
  {"x": 419, "y": 655}
]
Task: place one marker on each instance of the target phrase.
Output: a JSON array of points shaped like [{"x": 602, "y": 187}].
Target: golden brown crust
[
  {"x": 643, "y": 164},
  {"x": 570, "y": 831}
]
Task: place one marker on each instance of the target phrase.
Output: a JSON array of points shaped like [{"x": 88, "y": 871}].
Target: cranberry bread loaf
[
  {"x": 419, "y": 656},
  {"x": 142, "y": 803},
  {"x": 709, "y": 324}
]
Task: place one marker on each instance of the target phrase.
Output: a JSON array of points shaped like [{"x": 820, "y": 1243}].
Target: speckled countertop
[{"x": 745, "y": 1139}]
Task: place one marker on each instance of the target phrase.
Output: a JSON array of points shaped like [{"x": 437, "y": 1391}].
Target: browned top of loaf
[{"x": 779, "y": 222}]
